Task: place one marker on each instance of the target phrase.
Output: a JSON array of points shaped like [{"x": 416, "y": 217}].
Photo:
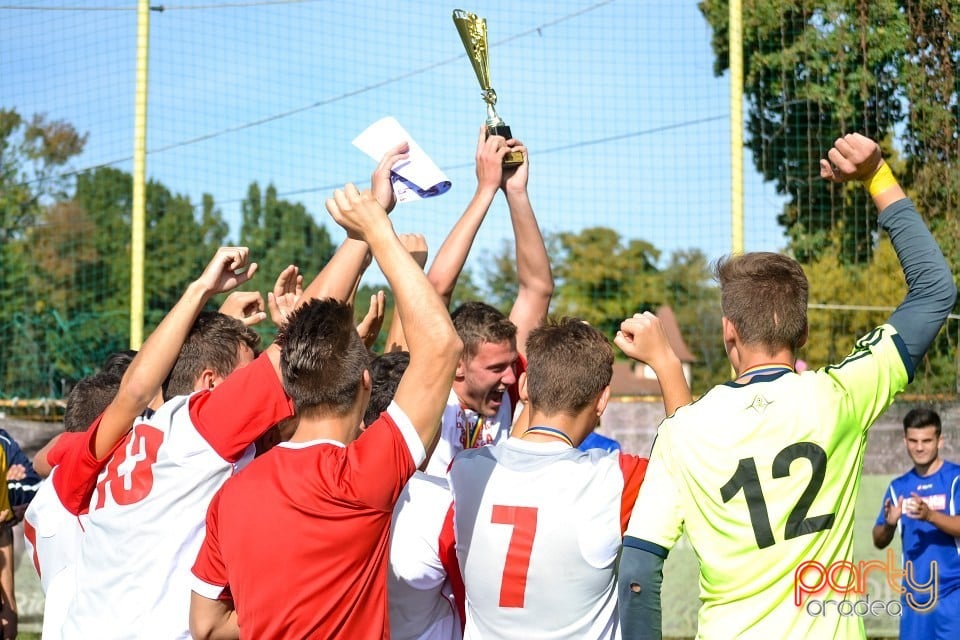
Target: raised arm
[
  {"x": 416, "y": 244},
  {"x": 451, "y": 257},
  {"x": 40, "y": 463},
  {"x": 229, "y": 268},
  {"x": 433, "y": 342},
  {"x": 931, "y": 292},
  {"x": 642, "y": 338},
  {"x": 340, "y": 276},
  {"x": 534, "y": 278}
]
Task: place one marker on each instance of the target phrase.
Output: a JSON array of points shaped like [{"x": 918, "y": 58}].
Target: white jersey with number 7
[{"x": 538, "y": 527}]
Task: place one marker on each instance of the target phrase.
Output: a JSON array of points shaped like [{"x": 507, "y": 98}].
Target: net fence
[{"x": 624, "y": 105}]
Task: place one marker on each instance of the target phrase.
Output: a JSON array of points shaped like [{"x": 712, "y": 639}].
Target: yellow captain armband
[{"x": 881, "y": 180}]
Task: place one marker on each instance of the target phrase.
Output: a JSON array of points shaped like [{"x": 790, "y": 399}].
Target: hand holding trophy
[{"x": 473, "y": 33}]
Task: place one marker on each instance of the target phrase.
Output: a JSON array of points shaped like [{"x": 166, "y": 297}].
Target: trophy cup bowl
[{"x": 473, "y": 33}]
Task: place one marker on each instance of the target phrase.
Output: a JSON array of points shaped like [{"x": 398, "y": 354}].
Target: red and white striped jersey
[{"x": 538, "y": 529}]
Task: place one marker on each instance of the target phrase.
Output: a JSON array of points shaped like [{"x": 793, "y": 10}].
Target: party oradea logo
[{"x": 815, "y": 584}]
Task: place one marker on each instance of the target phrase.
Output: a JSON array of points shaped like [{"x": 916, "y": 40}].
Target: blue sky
[{"x": 626, "y": 123}]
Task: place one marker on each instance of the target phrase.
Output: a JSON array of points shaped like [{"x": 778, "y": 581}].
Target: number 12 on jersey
[
  {"x": 747, "y": 479},
  {"x": 513, "y": 586}
]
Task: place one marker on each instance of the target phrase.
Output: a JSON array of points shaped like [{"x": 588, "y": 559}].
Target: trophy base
[{"x": 513, "y": 158}]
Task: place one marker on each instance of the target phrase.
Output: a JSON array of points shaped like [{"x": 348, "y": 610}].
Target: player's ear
[
  {"x": 208, "y": 380},
  {"x": 522, "y": 388},
  {"x": 731, "y": 338},
  {"x": 730, "y": 335},
  {"x": 363, "y": 394},
  {"x": 602, "y": 400},
  {"x": 461, "y": 371}
]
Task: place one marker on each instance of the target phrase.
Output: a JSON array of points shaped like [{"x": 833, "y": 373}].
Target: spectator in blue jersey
[{"x": 922, "y": 505}]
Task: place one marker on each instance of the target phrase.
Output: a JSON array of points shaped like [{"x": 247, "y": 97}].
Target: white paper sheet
[{"x": 417, "y": 177}]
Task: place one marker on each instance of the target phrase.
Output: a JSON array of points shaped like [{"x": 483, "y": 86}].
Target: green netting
[{"x": 252, "y": 107}]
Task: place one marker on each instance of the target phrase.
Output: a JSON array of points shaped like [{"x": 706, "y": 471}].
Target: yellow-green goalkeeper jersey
[{"x": 762, "y": 477}]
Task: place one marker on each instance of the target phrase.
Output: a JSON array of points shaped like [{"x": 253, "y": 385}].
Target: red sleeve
[
  {"x": 78, "y": 467},
  {"x": 520, "y": 366},
  {"x": 633, "y": 468},
  {"x": 448, "y": 558},
  {"x": 377, "y": 465},
  {"x": 209, "y": 566},
  {"x": 241, "y": 409},
  {"x": 65, "y": 442}
]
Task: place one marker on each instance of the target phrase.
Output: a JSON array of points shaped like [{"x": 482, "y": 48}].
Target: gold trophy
[{"x": 473, "y": 33}]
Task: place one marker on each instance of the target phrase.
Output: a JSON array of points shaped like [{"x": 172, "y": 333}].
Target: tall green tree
[
  {"x": 814, "y": 70},
  {"x": 34, "y": 154},
  {"x": 180, "y": 238},
  {"x": 77, "y": 274},
  {"x": 499, "y": 278},
  {"x": 865, "y": 295},
  {"x": 695, "y": 300},
  {"x": 177, "y": 246},
  {"x": 281, "y": 233},
  {"x": 603, "y": 279},
  {"x": 930, "y": 78}
]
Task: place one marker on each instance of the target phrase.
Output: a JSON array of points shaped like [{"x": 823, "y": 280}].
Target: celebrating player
[
  {"x": 324, "y": 498},
  {"x": 481, "y": 404},
  {"x": 80, "y": 459},
  {"x": 538, "y": 522},
  {"x": 51, "y": 532},
  {"x": 762, "y": 472}
]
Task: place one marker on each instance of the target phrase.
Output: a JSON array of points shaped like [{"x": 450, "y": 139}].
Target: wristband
[{"x": 881, "y": 180}]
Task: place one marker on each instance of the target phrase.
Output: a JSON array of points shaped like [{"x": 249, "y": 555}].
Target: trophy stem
[{"x": 493, "y": 120}]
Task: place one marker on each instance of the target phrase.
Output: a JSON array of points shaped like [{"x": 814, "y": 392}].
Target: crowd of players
[{"x": 208, "y": 487}]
